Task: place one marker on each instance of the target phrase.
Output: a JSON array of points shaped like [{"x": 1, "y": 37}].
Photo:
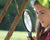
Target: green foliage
[
  {"x": 10, "y": 15},
  {"x": 44, "y": 3}
]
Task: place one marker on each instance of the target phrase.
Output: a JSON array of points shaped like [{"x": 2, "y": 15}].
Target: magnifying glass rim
[{"x": 24, "y": 22}]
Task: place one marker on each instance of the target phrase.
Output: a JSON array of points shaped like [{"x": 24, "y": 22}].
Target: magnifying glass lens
[{"x": 27, "y": 21}]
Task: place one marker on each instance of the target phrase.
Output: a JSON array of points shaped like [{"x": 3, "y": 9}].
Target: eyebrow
[{"x": 41, "y": 10}]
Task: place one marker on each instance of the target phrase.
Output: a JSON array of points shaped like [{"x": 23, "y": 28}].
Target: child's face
[{"x": 43, "y": 14}]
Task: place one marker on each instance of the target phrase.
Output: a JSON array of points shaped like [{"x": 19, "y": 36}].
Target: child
[{"x": 43, "y": 28}]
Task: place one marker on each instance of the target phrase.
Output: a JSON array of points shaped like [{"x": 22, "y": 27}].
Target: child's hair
[
  {"x": 36, "y": 2},
  {"x": 40, "y": 29}
]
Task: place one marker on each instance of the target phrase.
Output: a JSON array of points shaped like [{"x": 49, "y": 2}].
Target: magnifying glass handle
[
  {"x": 30, "y": 35},
  {"x": 31, "y": 38}
]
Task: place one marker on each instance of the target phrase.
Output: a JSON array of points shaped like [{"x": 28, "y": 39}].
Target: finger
[
  {"x": 34, "y": 38},
  {"x": 28, "y": 38}
]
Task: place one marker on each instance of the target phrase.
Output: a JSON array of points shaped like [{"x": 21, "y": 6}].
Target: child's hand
[{"x": 32, "y": 37}]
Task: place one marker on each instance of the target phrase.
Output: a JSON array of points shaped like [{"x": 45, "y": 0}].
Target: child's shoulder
[{"x": 47, "y": 37}]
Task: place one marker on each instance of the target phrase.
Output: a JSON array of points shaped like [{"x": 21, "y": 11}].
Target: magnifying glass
[{"x": 28, "y": 22}]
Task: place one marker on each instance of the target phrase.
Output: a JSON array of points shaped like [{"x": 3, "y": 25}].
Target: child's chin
[{"x": 44, "y": 25}]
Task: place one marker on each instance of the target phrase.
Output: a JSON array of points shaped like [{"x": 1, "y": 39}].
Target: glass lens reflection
[{"x": 27, "y": 21}]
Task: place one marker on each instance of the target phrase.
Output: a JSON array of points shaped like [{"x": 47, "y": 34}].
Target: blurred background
[{"x": 19, "y": 33}]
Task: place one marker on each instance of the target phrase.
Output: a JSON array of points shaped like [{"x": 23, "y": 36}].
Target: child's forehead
[{"x": 40, "y": 7}]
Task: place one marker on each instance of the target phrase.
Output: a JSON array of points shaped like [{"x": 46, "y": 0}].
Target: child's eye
[{"x": 42, "y": 13}]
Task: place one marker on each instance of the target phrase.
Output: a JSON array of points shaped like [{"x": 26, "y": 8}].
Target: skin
[{"x": 43, "y": 15}]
